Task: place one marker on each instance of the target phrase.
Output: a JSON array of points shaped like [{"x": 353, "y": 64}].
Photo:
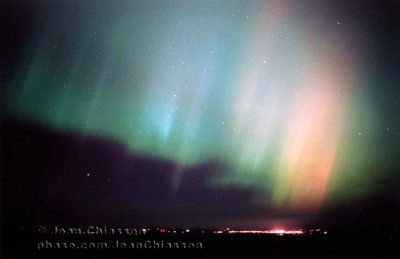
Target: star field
[{"x": 282, "y": 93}]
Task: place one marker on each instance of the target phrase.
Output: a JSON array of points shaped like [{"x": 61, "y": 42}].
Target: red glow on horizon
[{"x": 274, "y": 231}]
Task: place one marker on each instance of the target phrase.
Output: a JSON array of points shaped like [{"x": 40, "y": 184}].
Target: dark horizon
[{"x": 78, "y": 179}]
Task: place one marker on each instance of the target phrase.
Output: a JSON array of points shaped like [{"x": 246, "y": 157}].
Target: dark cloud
[{"x": 67, "y": 177}]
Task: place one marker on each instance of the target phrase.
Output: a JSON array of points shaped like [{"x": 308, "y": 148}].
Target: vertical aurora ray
[
  {"x": 306, "y": 111},
  {"x": 310, "y": 143},
  {"x": 263, "y": 87}
]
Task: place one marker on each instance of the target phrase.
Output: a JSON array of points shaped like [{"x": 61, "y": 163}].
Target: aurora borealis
[{"x": 290, "y": 95}]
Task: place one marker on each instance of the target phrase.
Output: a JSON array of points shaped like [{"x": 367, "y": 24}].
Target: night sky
[{"x": 202, "y": 113}]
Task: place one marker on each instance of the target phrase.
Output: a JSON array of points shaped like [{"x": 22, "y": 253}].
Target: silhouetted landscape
[
  {"x": 199, "y": 129},
  {"x": 45, "y": 183}
]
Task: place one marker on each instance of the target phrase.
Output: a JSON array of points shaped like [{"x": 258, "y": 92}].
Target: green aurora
[{"x": 279, "y": 92}]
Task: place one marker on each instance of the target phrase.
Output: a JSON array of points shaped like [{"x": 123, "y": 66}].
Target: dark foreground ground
[{"x": 58, "y": 178}]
